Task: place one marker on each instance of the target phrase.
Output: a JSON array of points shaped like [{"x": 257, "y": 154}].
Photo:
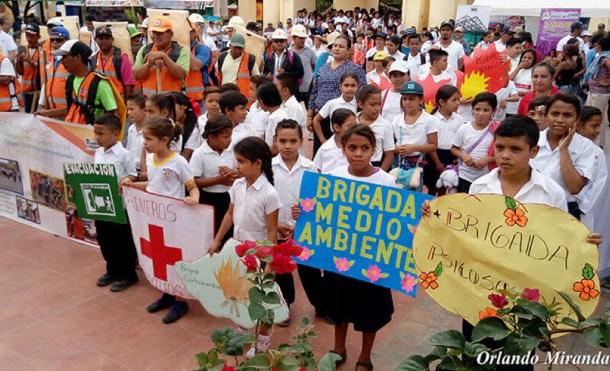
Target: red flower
[
  {"x": 263, "y": 252},
  {"x": 250, "y": 262},
  {"x": 498, "y": 301},
  {"x": 531, "y": 295},
  {"x": 288, "y": 247},
  {"x": 282, "y": 264},
  {"x": 228, "y": 368},
  {"x": 241, "y": 249}
]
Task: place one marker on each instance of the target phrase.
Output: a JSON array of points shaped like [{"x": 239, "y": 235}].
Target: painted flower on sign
[
  {"x": 342, "y": 264},
  {"x": 374, "y": 273},
  {"x": 308, "y": 204},
  {"x": 408, "y": 282}
]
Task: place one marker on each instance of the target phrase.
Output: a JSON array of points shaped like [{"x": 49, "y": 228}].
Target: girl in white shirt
[
  {"x": 213, "y": 165},
  {"x": 168, "y": 175},
  {"x": 472, "y": 141},
  {"x": 369, "y": 101},
  {"x": 522, "y": 77},
  {"x": 187, "y": 120},
  {"x": 210, "y": 103},
  {"x": 330, "y": 154},
  {"x": 254, "y": 207}
]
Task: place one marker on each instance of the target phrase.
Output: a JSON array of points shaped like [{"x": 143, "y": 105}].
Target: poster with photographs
[
  {"x": 48, "y": 190},
  {"x": 78, "y": 228},
  {"x": 10, "y": 176},
  {"x": 28, "y": 209}
]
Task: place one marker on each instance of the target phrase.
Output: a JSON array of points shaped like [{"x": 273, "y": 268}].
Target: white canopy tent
[{"x": 531, "y": 8}]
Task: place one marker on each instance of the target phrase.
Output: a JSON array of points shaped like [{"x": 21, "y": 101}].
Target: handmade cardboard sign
[
  {"x": 221, "y": 285},
  {"x": 358, "y": 229},
  {"x": 95, "y": 190},
  {"x": 122, "y": 40},
  {"x": 471, "y": 246},
  {"x": 255, "y": 44},
  {"x": 167, "y": 231},
  {"x": 431, "y": 87},
  {"x": 485, "y": 71}
]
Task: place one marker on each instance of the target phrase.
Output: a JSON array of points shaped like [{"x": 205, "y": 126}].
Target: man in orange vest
[
  {"x": 8, "y": 96},
  {"x": 163, "y": 65},
  {"x": 52, "y": 101},
  {"x": 112, "y": 63},
  {"x": 236, "y": 66},
  {"x": 197, "y": 77},
  {"x": 88, "y": 94},
  {"x": 28, "y": 67}
]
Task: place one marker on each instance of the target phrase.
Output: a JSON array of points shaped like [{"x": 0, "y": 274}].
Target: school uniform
[
  {"x": 274, "y": 118},
  {"x": 295, "y": 111},
  {"x": 193, "y": 142},
  {"x": 506, "y": 92},
  {"x": 447, "y": 129},
  {"x": 201, "y": 121},
  {"x": 589, "y": 196},
  {"x": 367, "y": 306},
  {"x": 329, "y": 156},
  {"x": 241, "y": 131},
  {"x": 251, "y": 205},
  {"x": 391, "y": 106},
  {"x": 475, "y": 143},
  {"x": 326, "y": 112},
  {"x": 288, "y": 186},
  {"x": 584, "y": 158},
  {"x": 257, "y": 119},
  {"x": 384, "y": 138},
  {"x": 168, "y": 177},
  {"x": 115, "y": 240},
  {"x": 135, "y": 143},
  {"x": 205, "y": 163}
]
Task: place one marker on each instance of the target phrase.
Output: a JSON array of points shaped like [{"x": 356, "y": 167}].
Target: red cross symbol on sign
[{"x": 161, "y": 255}]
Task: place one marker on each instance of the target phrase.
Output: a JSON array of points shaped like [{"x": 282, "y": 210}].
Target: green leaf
[
  {"x": 604, "y": 330},
  {"x": 202, "y": 359},
  {"x": 473, "y": 349},
  {"x": 305, "y": 321},
  {"x": 588, "y": 272},
  {"x": 569, "y": 322},
  {"x": 510, "y": 202},
  {"x": 256, "y": 311},
  {"x": 593, "y": 336},
  {"x": 491, "y": 327},
  {"x": 572, "y": 305},
  {"x": 450, "y": 363},
  {"x": 536, "y": 309},
  {"x": 438, "y": 270},
  {"x": 413, "y": 363},
  {"x": 328, "y": 362},
  {"x": 520, "y": 344},
  {"x": 259, "y": 362},
  {"x": 256, "y": 295},
  {"x": 451, "y": 339},
  {"x": 272, "y": 297}
]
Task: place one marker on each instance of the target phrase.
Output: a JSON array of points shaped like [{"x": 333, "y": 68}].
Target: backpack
[
  {"x": 117, "y": 57},
  {"x": 174, "y": 52},
  {"x": 221, "y": 61}
]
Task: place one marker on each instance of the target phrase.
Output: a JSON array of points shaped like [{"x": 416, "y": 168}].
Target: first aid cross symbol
[{"x": 161, "y": 255}]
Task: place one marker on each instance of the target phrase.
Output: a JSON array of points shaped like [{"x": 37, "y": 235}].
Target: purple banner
[{"x": 554, "y": 25}]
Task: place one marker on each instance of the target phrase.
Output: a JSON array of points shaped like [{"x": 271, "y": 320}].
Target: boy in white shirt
[
  {"x": 233, "y": 105},
  {"x": 286, "y": 85},
  {"x": 256, "y": 117},
  {"x": 270, "y": 101},
  {"x": 330, "y": 155}
]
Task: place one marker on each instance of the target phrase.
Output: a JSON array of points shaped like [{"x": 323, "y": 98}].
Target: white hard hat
[
  {"x": 236, "y": 21},
  {"x": 196, "y": 18},
  {"x": 279, "y": 34},
  {"x": 55, "y": 21},
  {"x": 299, "y": 31},
  {"x": 399, "y": 66}
]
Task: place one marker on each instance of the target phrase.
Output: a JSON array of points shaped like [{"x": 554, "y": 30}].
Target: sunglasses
[{"x": 279, "y": 41}]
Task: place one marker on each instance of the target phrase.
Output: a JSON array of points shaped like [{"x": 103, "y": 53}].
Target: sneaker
[
  {"x": 104, "y": 280},
  {"x": 176, "y": 312},
  {"x": 163, "y": 302},
  {"x": 263, "y": 343},
  {"x": 121, "y": 285}
]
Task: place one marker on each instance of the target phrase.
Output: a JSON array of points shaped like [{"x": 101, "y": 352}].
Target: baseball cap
[
  {"x": 59, "y": 31},
  {"x": 577, "y": 25},
  {"x": 380, "y": 56},
  {"x": 104, "y": 30},
  {"x": 586, "y": 33},
  {"x": 32, "y": 28},
  {"x": 196, "y": 18},
  {"x": 73, "y": 47},
  {"x": 411, "y": 87},
  {"x": 381, "y": 34},
  {"x": 238, "y": 40},
  {"x": 161, "y": 25},
  {"x": 279, "y": 34},
  {"x": 299, "y": 31},
  {"x": 330, "y": 39},
  {"x": 459, "y": 29},
  {"x": 446, "y": 23},
  {"x": 399, "y": 66}
]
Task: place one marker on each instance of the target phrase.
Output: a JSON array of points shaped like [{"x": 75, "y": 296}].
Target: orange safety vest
[
  {"x": 167, "y": 82},
  {"x": 6, "y": 102},
  {"x": 194, "y": 83},
  {"x": 108, "y": 68},
  {"x": 75, "y": 114},
  {"x": 30, "y": 73},
  {"x": 243, "y": 75},
  {"x": 55, "y": 88}
]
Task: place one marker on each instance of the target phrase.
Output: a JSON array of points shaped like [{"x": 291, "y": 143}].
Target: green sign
[{"x": 95, "y": 191}]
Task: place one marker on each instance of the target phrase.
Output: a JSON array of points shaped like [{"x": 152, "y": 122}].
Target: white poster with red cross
[{"x": 167, "y": 231}]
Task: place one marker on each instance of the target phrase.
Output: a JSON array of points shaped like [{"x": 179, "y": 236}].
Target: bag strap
[
  {"x": 480, "y": 139},
  {"x": 385, "y": 96}
]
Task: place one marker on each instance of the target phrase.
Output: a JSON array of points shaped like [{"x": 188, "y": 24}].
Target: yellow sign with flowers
[{"x": 472, "y": 246}]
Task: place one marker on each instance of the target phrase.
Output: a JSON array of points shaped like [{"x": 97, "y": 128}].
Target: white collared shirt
[
  {"x": 241, "y": 131},
  {"x": 390, "y": 104},
  {"x": 168, "y": 177},
  {"x": 539, "y": 189},
  {"x": 334, "y": 104},
  {"x": 329, "y": 156},
  {"x": 205, "y": 163},
  {"x": 583, "y": 157},
  {"x": 118, "y": 156},
  {"x": 447, "y": 129},
  {"x": 274, "y": 118},
  {"x": 378, "y": 177},
  {"x": 288, "y": 183},
  {"x": 416, "y": 133},
  {"x": 295, "y": 111},
  {"x": 591, "y": 192},
  {"x": 384, "y": 137},
  {"x": 251, "y": 205},
  {"x": 135, "y": 143},
  {"x": 464, "y": 139},
  {"x": 455, "y": 51},
  {"x": 257, "y": 119},
  {"x": 201, "y": 121},
  {"x": 414, "y": 62},
  {"x": 278, "y": 62}
]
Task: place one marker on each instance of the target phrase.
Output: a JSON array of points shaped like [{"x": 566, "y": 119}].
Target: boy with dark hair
[
  {"x": 270, "y": 101},
  {"x": 437, "y": 68},
  {"x": 115, "y": 240},
  {"x": 256, "y": 117},
  {"x": 287, "y": 86},
  {"x": 233, "y": 105},
  {"x": 414, "y": 58}
]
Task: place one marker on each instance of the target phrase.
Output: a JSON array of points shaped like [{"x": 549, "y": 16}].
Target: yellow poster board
[
  {"x": 120, "y": 35},
  {"x": 471, "y": 246},
  {"x": 255, "y": 44},
  {"x": 180, "y": 24}
]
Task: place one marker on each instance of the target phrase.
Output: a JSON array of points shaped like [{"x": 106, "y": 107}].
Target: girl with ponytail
[
  {"x": 187, "y": 120},
  {"x": 254, "y": 208}
]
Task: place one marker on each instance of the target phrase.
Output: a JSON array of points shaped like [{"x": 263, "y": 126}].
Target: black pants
[
  {"x": 118, "y": 249},
  {"x": 574, "y": 209},
  {"x": 221, "y": 203},
  {"x": 312, "y": 281},
  {"x": 326, "y": 130},
  {"x": 463, "y": 186},
  {"x": 28, "y": 102},
  {"x": 286, "y": 283},
  {"x": 303, "y": 97}
]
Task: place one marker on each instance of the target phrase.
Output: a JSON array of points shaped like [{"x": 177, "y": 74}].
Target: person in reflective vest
[
  {"x": 28, "y": 68},
  {"x": 8, "y": 97},
  {"x": 197, "y": 77},
  {"x": 236, "y": 66},
  {"x": 89, "y": 95},
  {"x": 52, "y": 101},
  {"x": 111, "y": 62},
  {"x": 161, "y": 66}
]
